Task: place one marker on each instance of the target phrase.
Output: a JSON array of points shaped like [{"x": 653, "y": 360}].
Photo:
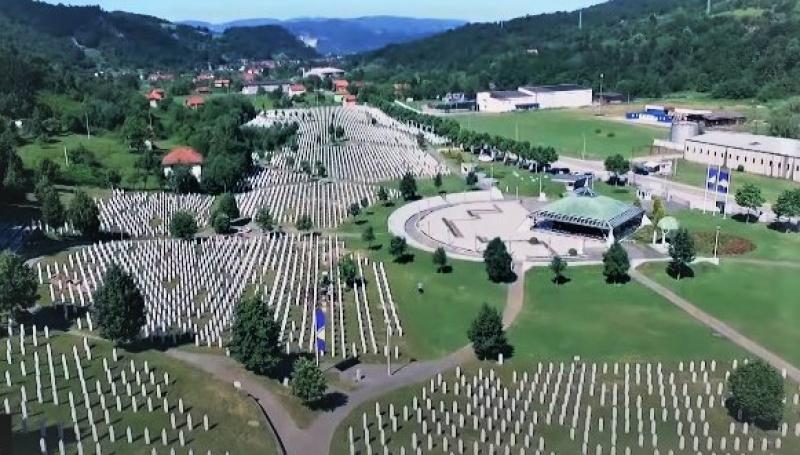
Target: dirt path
[
  {"x": 317, "y": 438},
  {"x": 719, "y": 326}
]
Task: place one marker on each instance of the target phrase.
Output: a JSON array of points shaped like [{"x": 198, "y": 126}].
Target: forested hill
[
  {"x": 745, "y": 48},
  {"x": 88, "y": 35}
]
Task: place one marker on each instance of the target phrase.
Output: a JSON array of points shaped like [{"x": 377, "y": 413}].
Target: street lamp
[{"x": 716, "y": 243}]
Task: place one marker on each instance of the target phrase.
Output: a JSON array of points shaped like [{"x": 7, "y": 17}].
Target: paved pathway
[
  {"x": 317, "y": 438},
  {"x": 719, "y": 326}
]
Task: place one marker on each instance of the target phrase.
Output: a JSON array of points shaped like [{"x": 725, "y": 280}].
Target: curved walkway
[
  {"x": 317, "y": 438},
  {"x": 719, "y": 326}
]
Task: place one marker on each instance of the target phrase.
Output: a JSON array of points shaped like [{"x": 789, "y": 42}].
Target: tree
[
  {"x": 788, "y": 204},
  {"x": 264, "y": 219},
  {"x": 53, "y": 212},
  {"x": 84, "y": 215},
  {"x": 348, "y": 270},
  {"x": 182, "y": 181},
  {"x": 498, "y": 261},
  {"x": 408, "y": 186},
  {"x": 364, "y": 203},
  {"x": 354, "y": 210},
  {"x": 226, "y": 204},
  {"x": 304, "y": 223},
  {"x": 616, "y": 264},
  {"x": 221, "y": 223},
  {"x": 558, "y": 265},
  {"x": 383, "y": 195},
  {"x": 749, "y": 196},
  {"x": 308, "y": 381},
  {"x": 398, "y": 247},
  {"x": 182, "y": 225},
  {"x": 321, "y": 170},
  {"x": 659, "y": 212},
  {"x": 618, "y": 165},
  {"x": 17, "y": 284},
  {"x": 305, "y": 167},
  {"x": 487, "y": 335},
  {"x": 757, "y": 394},
  {"x": 437, "y": 181},
  {"x": 119, "y": 306},
  {"x": 472, "y": 179},
  {"x": 682, "y": 251},
  {"x": 440, "y": 259},
  {"x": 255, "y": 340},
  {"x": 368, "y": 235}
]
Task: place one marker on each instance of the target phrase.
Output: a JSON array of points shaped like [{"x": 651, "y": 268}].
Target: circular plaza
[{"x": 464, "y": 223}]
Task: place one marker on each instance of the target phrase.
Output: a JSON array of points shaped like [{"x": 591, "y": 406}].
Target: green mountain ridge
[
  {"x": 745, "y": 48},
  {"x": 88, "y": 35}
]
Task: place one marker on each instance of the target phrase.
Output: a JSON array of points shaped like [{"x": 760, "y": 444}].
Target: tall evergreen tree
[
  {"x": 497, "y": 261},
  {"x": 616, "y": 264},
  {"x": 487, "y": 335},
  {"x": 17, "y": 284},
  {"x": 84, "y": 215},
  {"x": 440, "y": 259},
  {"x": 682, "y": 251},
  {"x": 408, "y": 186},
  {"x": 53, "y": 212},
  {"x": 255, "y": 340},
  {"x": 119, "y": 306}
]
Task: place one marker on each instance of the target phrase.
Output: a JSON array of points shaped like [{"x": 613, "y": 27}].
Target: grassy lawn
[
  {"x": 600, "y": 322},
  {"x": 435, "y": 321},
  {"x": 107, "y": 149},
  {"x": 761, "y": 302},
  {"x": 236, "y": 422},
  {"x": 565, "y": 130},
  {"x": 770, "y": 244},
  {"x": 694, "y": 174}
]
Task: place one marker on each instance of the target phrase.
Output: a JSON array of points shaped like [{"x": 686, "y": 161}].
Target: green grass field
[
  {"x": 437, "y": 320},
  {"x": 565, "y": 130},
  {"x": 694, "y": 174},
  {"x": 761, "y": 302},
  {"x": 599, "y": 322}
]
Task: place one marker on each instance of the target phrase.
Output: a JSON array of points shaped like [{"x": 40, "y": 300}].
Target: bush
[
  {"x": 757, "y": 394},
  {"x": 572, "y": 252},
  {"x": 534, "y": 241},
  {"x": 183, "y": 226},
  {"x": 740, "y": 168}
]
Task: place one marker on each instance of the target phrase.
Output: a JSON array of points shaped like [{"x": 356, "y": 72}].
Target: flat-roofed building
[
  {"x": 535, "y": 97},
  {"x": 764, "y": 155}
]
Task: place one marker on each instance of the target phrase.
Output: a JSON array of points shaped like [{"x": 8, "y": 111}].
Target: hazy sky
[{"x": 221, "y": 11}]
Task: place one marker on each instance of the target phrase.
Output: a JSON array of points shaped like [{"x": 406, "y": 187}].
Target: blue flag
[
  {"x": 723, "y": 181},
  {"x": 712, "y": 179},
  {"x": 320, "y": 329}
]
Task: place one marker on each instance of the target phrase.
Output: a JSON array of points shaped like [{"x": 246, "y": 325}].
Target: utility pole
[
  {"x": 580, "y": 19},
  {"x": 708, "y": 8},
  {"x": 88, "y": 131}
]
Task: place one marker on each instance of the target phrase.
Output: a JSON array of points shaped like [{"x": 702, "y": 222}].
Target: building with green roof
[{"x": 587, "y": 213}]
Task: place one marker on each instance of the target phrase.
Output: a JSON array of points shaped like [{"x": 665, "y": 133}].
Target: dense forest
[
  {"x": 89, "y": 36},
  {"x": 743, "y": 49}
]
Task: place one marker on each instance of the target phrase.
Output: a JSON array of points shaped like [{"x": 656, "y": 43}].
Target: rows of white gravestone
[
  {"x": 264, "y": 177},
  {"x": 303, "y": 275},
  {"x": 326, "y": 203},
  {"x": 581, "y": 408},
  {"x": 192, "y": 289},
  {"x": 76, "y": 399},
  {"x": 373, "y": 152},
  {"x": 149, "y": 214},
  {"x": 410, "y": 128}
]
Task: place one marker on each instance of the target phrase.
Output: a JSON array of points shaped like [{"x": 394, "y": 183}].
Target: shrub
[{"x": 572, "y": 252}]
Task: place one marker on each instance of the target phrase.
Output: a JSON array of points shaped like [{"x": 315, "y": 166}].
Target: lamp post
[
  {"x": 716, "y": 243},
  {"x": 388, "y": 349}
]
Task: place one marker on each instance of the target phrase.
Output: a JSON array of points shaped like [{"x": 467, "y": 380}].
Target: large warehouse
[
  {"x": 765, "y": 155},
  {"x": 535, "y": 97}
]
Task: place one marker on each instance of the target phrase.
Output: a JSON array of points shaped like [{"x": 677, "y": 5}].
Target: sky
[{"x": 222, "y": 11}]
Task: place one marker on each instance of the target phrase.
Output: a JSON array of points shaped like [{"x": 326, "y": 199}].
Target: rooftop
[
  {"x": 508, "y": 94},
  {"x": 590, "y": 210},
  {"x": 753, "y": 142},
  {"x": 182, "y": 155},
  {"x": 553, "y": 88}
]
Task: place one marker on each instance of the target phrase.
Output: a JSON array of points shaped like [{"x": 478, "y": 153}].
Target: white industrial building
[
  {"x": 764, "y": 155},
  {"x": 322, "y": 73},
  {"x": 535, "y": 97},
  {"x": 267, "y": 86}
]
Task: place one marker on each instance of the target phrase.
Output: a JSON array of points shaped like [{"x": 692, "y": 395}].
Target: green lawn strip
[
  {"x": 597, "y": 321},
  {"x": 565, "y": 130},
  {"x": 435, "y": 321},
  {"x": 760, "y": 302},
  {"x": 237, "y": 423},
  {"x": 694, "y": 174}
]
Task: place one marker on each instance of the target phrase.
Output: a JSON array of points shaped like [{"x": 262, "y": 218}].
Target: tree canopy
[
  {"x": 408, "y": 186},
  {"x": 308, "y": 381},
  {"x": 487, "y": 335},
  {"x": 17, "y": 283},
  {"x": 498, "y": 261},
  {"x": 749, "y": 196},
  {"x": 119, "y": 306},
  {"x": 84, "y": 215},
  {"x": 757, "y": 394},
  {"x": 255, "y": 339},
  {"x": 616, "y": 264},
  {"x": 183, "y": 225},
  {"x": 682, "y": 253}
]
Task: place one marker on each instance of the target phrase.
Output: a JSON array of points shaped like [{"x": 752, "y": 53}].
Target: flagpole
[
  {"x": 727, "y": 192},
  {"x": 316, "y": 337},
  {"x": 705, "y": 187},
  {"x": 716, "y": 187}
]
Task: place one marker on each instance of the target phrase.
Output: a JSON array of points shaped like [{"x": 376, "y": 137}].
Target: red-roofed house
[
  {"x": 195, "y": 102},
  {"x": 349, "y": 100},
  {"x": 340, "y": 86},
  {"x": 183, "y": 156},
  {"x": 296, "y": 89},
  {"x": 154, "y": 96}
]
